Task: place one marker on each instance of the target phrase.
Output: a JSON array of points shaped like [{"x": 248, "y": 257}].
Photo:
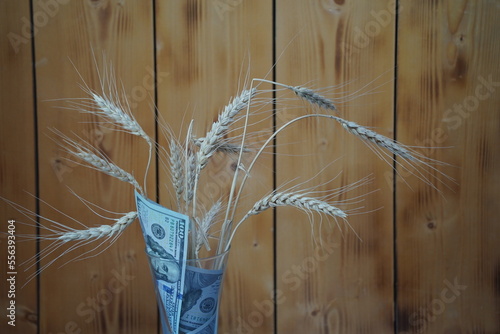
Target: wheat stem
[
  {"x": 227, "y": 224},
  {"x": 254, "y": 160},
  {"x": 352, "y": 127}
]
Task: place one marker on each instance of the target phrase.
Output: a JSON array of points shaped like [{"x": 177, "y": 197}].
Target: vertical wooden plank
[
  {"x": 17, "y": 165},
  {"x": 205, "y": 51},
  {"x": 448, "y": 254},
  {"x": 448, "y": 247},
  {"x": 344, "y": 285},
  {"x": 111, "y": 292}
]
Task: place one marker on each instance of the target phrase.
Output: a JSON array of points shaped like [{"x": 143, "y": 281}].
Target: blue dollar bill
[
  {"x": 166, "y": 235},
  {"x": 200, "y": 302}
]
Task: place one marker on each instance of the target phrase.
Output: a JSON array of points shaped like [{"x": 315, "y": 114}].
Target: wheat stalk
[
  {"x": 352, "y": 127},
  {"x": 218, "y": 130},
  {"x": 358, "y": 130},
  {"x": 188, "y": 159},
  {"x": 103, "y": 231}
]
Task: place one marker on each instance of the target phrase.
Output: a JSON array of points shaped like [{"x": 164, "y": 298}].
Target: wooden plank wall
[
  {"x": 447, "y": 245},
  {"x": 18, "y": 161},
  {"x": 415, "y": 259},
  {"x": 102, "y": 293},
  {"x": 344, "y": 285},
  {"x": 204, "y": 53}
]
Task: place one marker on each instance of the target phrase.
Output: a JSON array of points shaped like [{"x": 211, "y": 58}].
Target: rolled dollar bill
[{"x": 166, "y": 236}]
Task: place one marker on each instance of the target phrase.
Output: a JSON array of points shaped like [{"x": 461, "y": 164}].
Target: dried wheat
[
  {"x": 224, "y": 147},
  {"x": 205, "y": 225},
  {"x": 176, "y": 169},
  {"x": 190, "y": 176},
  {"x": 100, "y": 163},
  {"x": 113, "y": 112},
  {"x": 306, "y": 94},
  {"x": 312, "y": 97},
  {"x": 378, "y": 139},
  {"x": 219, "y": 128},
  {"x": 103, "y": 231},
  {"x": 295, "y": 200}
]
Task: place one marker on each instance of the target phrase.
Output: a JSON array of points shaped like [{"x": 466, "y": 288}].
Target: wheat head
[
  {"x": 103, "y": 231},
  {"x": 219, "y": 128}
]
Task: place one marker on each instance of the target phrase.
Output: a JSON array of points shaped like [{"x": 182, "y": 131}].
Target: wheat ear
[
  {"x": 205, "y": 225},
  {"x": 374, "y": 137},
  {"x": 103, "y": 231},
  {"x": 61, "y": 234},
  {"x": 190, "y": 176},
  {"x": 116, "y": 113},
  {"x": 112, "y": 105},
  {"x": 102, "y": 164},
  {"x": 176, "y": 169},
  {"x": 312, "y": 97},
  {"x": 296, "y": 200},
  {"x": 362, "y": 132},
  {"x": 306, "y": 94},
  {"x": 354, "y": 128},
  {"x": 219, "y": 128},
  {"x": 299, "y": 201}
]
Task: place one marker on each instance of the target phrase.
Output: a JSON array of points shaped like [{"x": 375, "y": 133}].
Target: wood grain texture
[
  {"x": 447, "y": 246},
  {"x": 207, "y": 52},
  {"x": 345, "y": 284},
  {"x": 110, "y": 293},
  {"x": 17, "y": 161},
  {"x": 432, "y": 267}
]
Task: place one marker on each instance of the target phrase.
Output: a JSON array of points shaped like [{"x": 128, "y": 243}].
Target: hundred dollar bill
[
  {"x": 200, "y": 303},
  {"x": 166, "y": 236}
]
